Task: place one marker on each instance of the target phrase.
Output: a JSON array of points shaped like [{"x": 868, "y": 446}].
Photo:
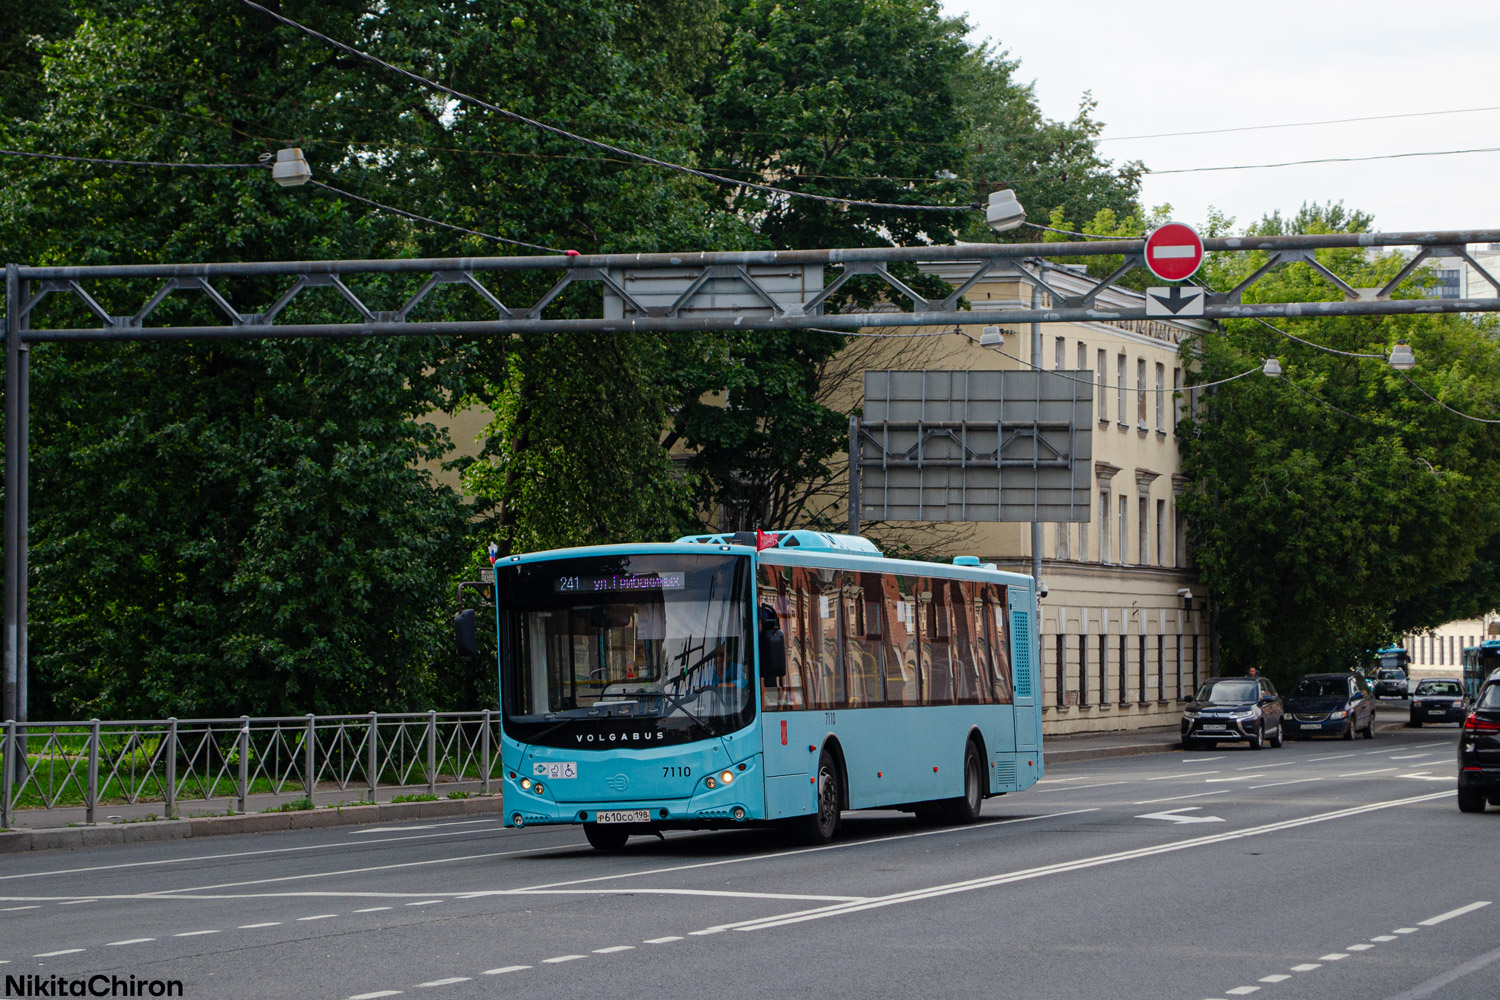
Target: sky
[{"x": 1170, "y": 66}]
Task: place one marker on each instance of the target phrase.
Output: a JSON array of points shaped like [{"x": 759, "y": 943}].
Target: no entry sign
[{"x": 1174, "y": 251}]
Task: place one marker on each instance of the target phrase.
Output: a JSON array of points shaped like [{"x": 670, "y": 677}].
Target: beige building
[
  {"x": 1124, "y": 634},
  {"x": 1440, "y": 652}
]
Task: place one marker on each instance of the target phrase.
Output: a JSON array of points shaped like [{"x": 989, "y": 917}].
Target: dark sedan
[
  {"x": 1233, "y": 709},
  {"x": 1479, "y": 752},
  {"x": 1330, "y": 705},
  {"x": 1439, "y": 699}
]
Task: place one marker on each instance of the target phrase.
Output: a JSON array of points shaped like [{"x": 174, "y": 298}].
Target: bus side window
[
  {"x": 862, "y": 631},
  {"x": 775, "y": 585},
  {"x": 900, "y": 641},
  {"x": 827, "y": 658},
  {"x": 968, "y": 651},
  {"x": 998, "y": 639},
  {"x": 937, "y": 631}
]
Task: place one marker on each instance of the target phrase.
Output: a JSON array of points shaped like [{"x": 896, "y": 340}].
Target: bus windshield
[{"x": 625, "y": 650}]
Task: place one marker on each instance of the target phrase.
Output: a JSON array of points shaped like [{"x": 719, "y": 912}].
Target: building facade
[{"x": 1124, "y": 633}]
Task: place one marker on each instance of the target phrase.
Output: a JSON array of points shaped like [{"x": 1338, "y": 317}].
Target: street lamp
[
  {"x": 1004, "y": 212},
  {"x": 992, "y": 336},
  {"x": 290, "y": 168},
  {"x": 1401, "y": 356},
  {"x": 1271, "y": 368}
]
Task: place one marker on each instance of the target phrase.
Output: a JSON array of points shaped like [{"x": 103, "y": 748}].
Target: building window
[
  {"x": 1161, "y": 398},
  {"x": 1062, "y": 668},
  {"x": 1124, "y": 531},
  {"x": 1083, "y": 541},
  {"x": 1181, "y": 535},
  {"x": 1103, "y": 398},
  {"x": 1176, "y": 397},
  {"x": 1161, "y": 533},
  {"x": 1083, "y": 666},
  {"x": 1140, "y": 393},
  {"x": 1057, "y": 356},
  {"x": 1104, "y": 553},
  {"x": 1062, "y": 539},
  {"x": 1120, "y": 389},
  {"x": 1143, "y": 523},
  {"x": 1083, "y": 357},
  {"x": 1124, "y": 663},
  {"x": 1104, "y": 665},
  {"x": 1141, "y": 671},
  {"x": 1161, "y": 667}
]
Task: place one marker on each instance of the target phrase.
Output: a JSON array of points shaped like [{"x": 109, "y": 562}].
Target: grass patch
[
  {"x": 417, "y": 797},
  {"x": 460, "y": 795},
  {"x": 296, "y": 805}
]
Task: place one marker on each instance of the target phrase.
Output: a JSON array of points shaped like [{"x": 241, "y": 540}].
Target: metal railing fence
[{"x": 53, "y": 765}]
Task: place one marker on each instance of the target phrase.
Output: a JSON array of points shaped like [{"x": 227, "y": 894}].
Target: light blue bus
[{"x": 707, "y": 683}]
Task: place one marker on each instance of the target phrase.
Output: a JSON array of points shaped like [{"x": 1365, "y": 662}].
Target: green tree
[{"x": 1336, "y": 507}]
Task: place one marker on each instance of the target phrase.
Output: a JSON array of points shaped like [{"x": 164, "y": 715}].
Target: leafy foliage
[{"x": 1336, "y": 507}]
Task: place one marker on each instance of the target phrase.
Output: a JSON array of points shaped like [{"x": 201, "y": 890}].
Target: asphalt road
[{"x": 1323, "y": 869}]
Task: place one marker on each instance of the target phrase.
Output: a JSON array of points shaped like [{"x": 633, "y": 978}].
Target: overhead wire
[
  {"x": 594, "y": 143},
  {"x": 435, "y": 222},
  {"x": 1325, "y": 159},
  {"x": 1326, "y": 121}
]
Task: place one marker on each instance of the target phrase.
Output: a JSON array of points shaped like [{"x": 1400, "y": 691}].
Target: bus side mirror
[
  {"x": 772, "y": 648},
  {"x": 463, "y": 633}
]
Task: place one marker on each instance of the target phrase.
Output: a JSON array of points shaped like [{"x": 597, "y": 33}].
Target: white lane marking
[
  {"x": 1404, "y": 930},
  {"x": 1179, "y": 798},
  {"x": 76, "y": 902},
  {"x": 1200, "y": 760},
  {"x": 1442, "y": 917},
  {"x": 424, "y": 902},
  {"x": 1361, "y": 774},
  {"x": 612, "y": 950},
  {"x": 1264, "y": 767},
  {"x": 1185, "y": 774},
  {"x": 1242, "y": 777},
  {"x": 1240, "y": 991},
  {"x": 1058, "y": 781},
  {"x": 251, "y": 854},
  {"x": 116, "y": 944},
  {"x": 1383, "y": 937},
  {"x": 1307, "y": 966},
  {"x": 1436, "y": 983},
  {"x": 1334, "y": 756},
  {"x": 442, "y": 982},
  {"x": 317, "y": 916},
  {"x": 1291, "y": 781},
  {"x": 1175, "y": 816},
  {"x": 503, "y": 970},
  {"x": 1358, "y": 947},
  {"x": 374, "y": 909},
  {"x": 1080, "y": 864},
  {"x": 376, "y": 995},
  {"x": 168, "y": 893},
  {"x": 54, "y": 954},
  {"x": 661, "y": 940},
  {"x": 1423, "y": 746},
  {"x": 1428, "y": 776},
  {"x": 194, "y": 933},
  {"x": 562, "y": 958},
  {"x": 1333, "y": 956},
  {"x": 1075, "y": 788},
  {"x": 14, "y": 909},
  {"x": 1408, "y": 756},
  {"x": 706, "y": 931},
  {"x": 716, "y": 893},
  {"x": 1278, "y": 978},
  {"x": 256, "y": 927},
  {"x": 779, "y": 855}
]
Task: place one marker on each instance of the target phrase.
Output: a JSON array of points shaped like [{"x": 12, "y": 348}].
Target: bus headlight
[
  {"x": 525, "y": 784},
  {"x": 710, "y": 782},
  {"x": 726, "y": 777}
]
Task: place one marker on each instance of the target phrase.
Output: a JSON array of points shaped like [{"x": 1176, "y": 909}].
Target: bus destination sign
[{"x": 618, "y": 582}]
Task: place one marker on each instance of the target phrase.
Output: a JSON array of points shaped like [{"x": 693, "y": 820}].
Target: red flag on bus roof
[{"x": 765, "y": 540}]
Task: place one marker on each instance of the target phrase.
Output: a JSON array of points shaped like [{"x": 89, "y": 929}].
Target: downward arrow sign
[
  {"x": 1175, "y": 816},
  {"x": 1174, "y": 300}
]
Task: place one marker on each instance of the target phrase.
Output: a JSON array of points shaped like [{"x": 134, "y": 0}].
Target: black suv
[
  {"x": 1330, "y": 705},
  {"x": 1479, "y": 752},
  {"x": 1233, "y": 709}
]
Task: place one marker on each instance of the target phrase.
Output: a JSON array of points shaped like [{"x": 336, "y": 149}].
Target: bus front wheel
[
  {"x": 819, "y": 827},
  {"x": 605, "y": 838}
]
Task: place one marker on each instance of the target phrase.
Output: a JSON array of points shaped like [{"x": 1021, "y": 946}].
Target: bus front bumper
[{"x": 740, "y": 801}]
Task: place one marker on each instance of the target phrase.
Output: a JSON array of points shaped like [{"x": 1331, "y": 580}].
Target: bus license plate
[{"x": 624, "y": 816}]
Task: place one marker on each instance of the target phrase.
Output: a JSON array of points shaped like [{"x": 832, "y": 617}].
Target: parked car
[
  {"x": 1231, "y": 710},
  {"x": 1439, "y": 699},
  {"x": 1479, "y": 752},
  {"x": 1330, "y": 705},
  {"x": 1390, "y": 682}
]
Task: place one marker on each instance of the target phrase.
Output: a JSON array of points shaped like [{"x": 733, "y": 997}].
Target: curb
[
  {"x": 1100, "y": 753},
  {"x": 14, "y": 841}
]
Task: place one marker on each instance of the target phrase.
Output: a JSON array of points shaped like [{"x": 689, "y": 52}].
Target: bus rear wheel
[
  {"x": 820, "y": 827},
  {"x": 965, "y": 808},
  {"x": 605, "y": 838}
]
